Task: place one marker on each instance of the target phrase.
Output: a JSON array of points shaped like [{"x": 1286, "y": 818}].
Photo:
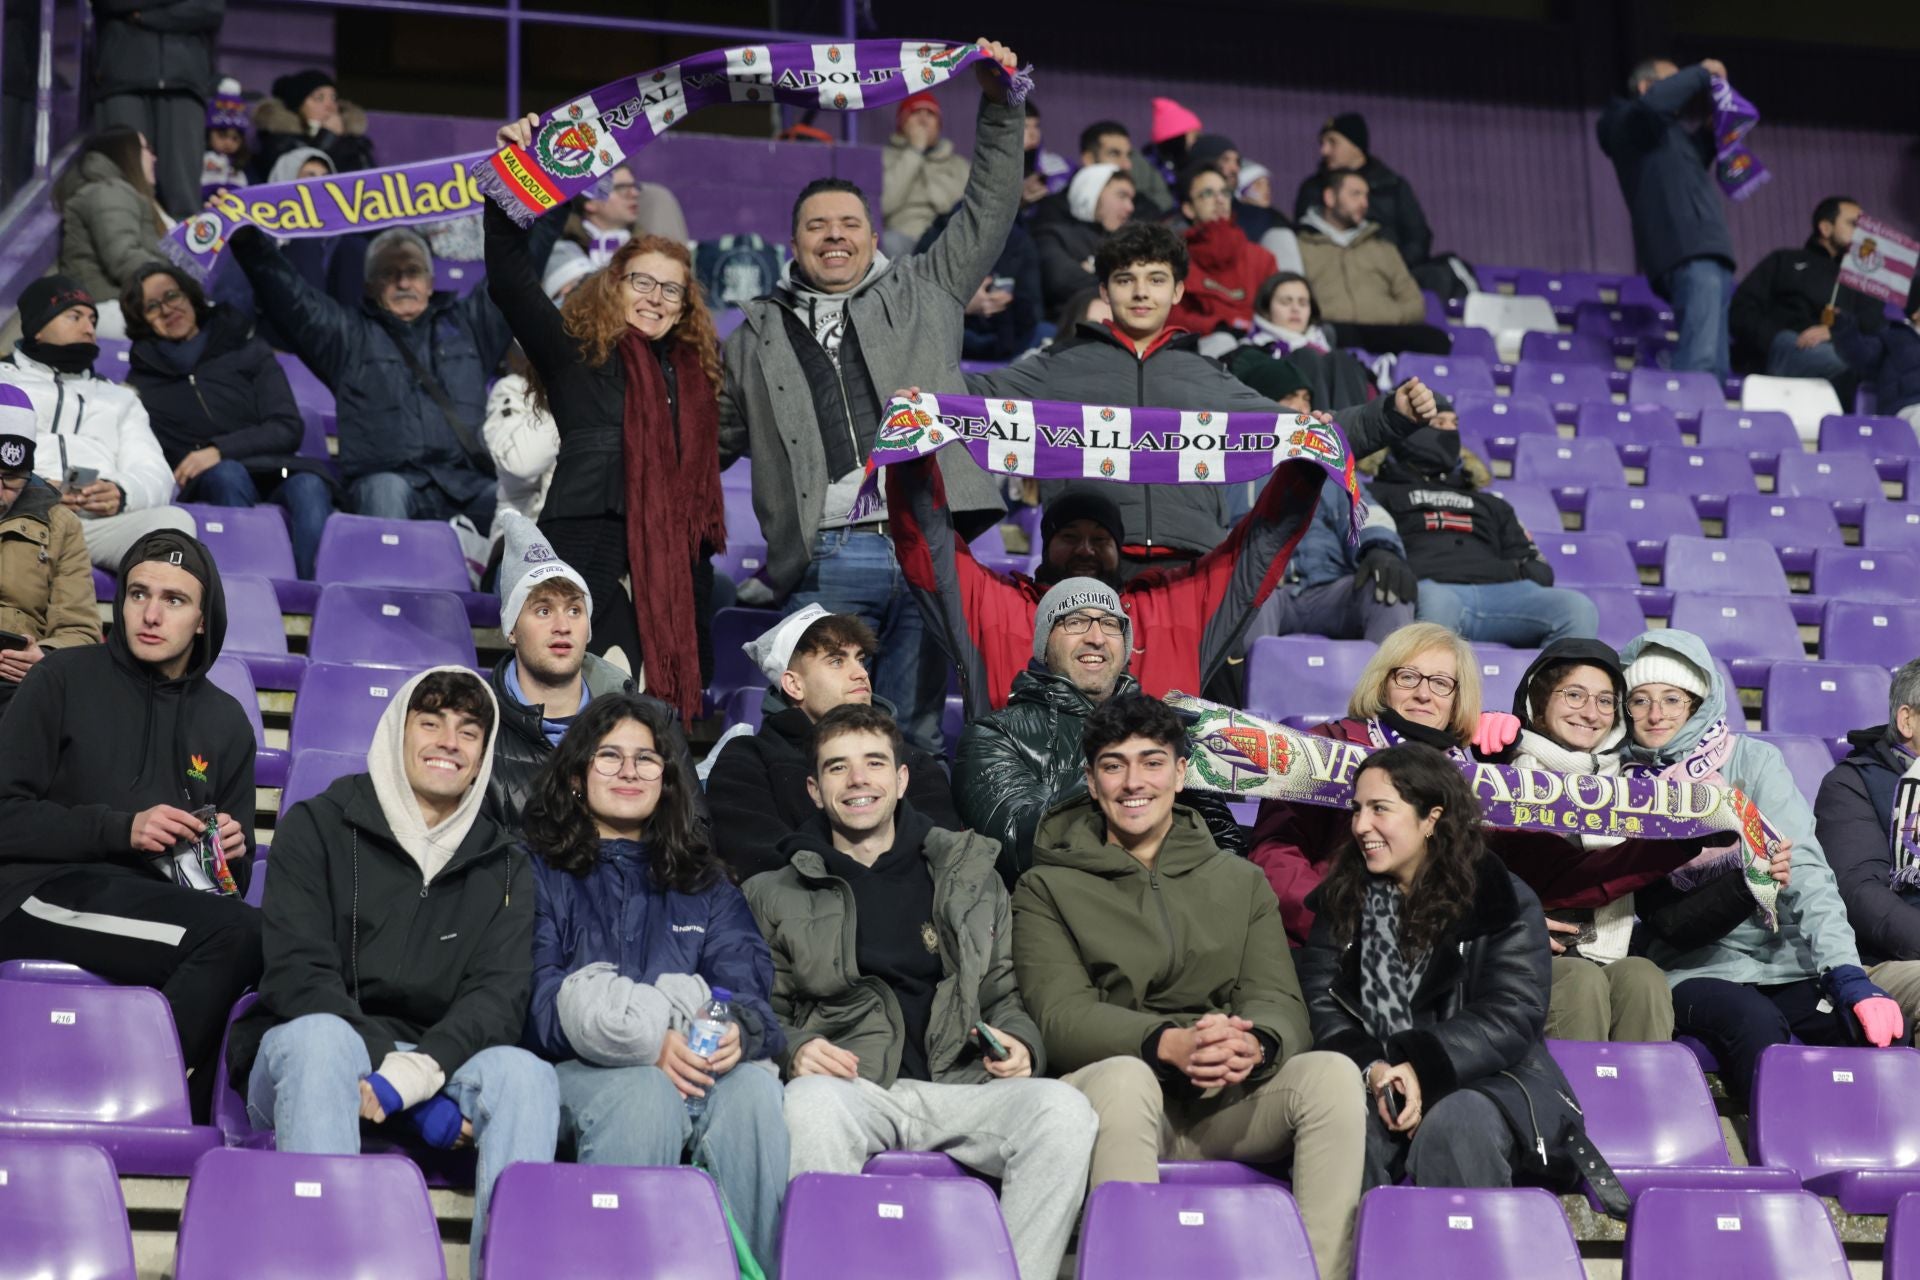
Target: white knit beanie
[
  {"x": 1083, "y": 193},
  {"x": 772, "y": 650},
  {"x": 526, "y": 561},
  {"x": 1656, "y": 665}
]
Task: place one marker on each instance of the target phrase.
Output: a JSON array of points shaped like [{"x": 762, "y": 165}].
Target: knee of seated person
[
  {"x": 1068, "y": 1113},
  {"x": 1577, "y": 981},
  {"x": 808, "y": 1095},
  {"x": 510, "y": 1070},
  {"x": 317, "y": 1034},
  {"x": 1115, "y": 1083},
  {"x": 1321, "y": 1073}
]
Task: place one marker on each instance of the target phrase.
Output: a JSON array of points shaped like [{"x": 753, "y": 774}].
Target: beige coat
[
  {"x": 46, "y": 580},
  {"x": 1366, "y": 282},
  {"x": 918, "y": 186}
]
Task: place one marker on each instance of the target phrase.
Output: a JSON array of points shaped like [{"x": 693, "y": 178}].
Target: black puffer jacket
[
  {"x": 1020, "y": 761},
  {"x": 1852, "y": 814},
  {"x": 1479, "y": 1014}
]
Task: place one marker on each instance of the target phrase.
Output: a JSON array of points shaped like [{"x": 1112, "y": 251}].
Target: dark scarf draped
[
  {"x": 1388, "y": 978},
  {"x": 673, "y": 505},
  {"x": 61, "y": 357}
]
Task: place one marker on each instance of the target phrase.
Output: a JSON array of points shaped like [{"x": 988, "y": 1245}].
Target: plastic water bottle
[{"x": 709, "y": 1029}]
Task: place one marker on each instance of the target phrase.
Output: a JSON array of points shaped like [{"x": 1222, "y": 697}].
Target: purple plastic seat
[
  {"x": 1708, "y": 476},
  {"x": 1621, "y": 617},
  {"x": 915, "y": 1164},
  {"x": 91, "y": 1062},
  {"x": 746, "y": 552},
  {"x": 339, "y": 705},
  {"x": 1651, "y": 1115},
  {"x": 1867, "y": 573},
  {"x": 390, "y": 625},
  {"x": 1568, "y": 467},
  {"x": 1646, "y": 518},
  {"x": 1632, "y": 429},
  {"x": 272, "y": 1215},
  {"x": 616, "y": 1222},
  {"x": 1749, "y": 632},
  {"x": 114, "y": 359},
  {"x": 1231, "y": 1233},
  {"x": 256, "y": 635},
  {"x": 1612, "y": 320},
  {"x": 1473, "y": 342},
  {"x": 1564, "y": 289},
  {"x": 1533, "y": 504},
  {"x": 1564, "y": 386},
  {"x": 1303, "y": 680},
  {"x": 1794, "y": 527},
  {"x": 61, "y": 1213},
  {"x": 1500, "y": 672},
  {"x": 1901, "y": 1258},
  {"x": 1756, "y": 1235},
  {"x": 1809, "y": 758},
  {"x": 1588, "y": 559},
  {"x": 1687, "y": 393},
  {"x": 1829, "y": 698},
  {"x": 1845, "y": 480},
  {"x": 1448, "y": 375},
  {"x": 1728, "y": 565},
  {"x": 254, "y": 540},
  {"x": 1566, "y": 348},
  {"x": 732, "y": 669},
  {"x": 1891, "y": 525},
  {"x": 314, "y": 770},
  {"x": 49, "y": 971},
  {"x": 367, "y": 550},
  {"x": 308, "y": 391},
  {"x": 861, "y": 1227},
  {"x": 1885, "y": 635},
  {"x": 1220, "y": 1173},
  {"x": 229, "y": 673},
  {"x": 1762, "y": 434},
  {"x": 1840, "y": 1118},
  {"x": 1889, "y": 441},
  {"x": 1499, "y": 421},
  {"x": 1443, "y": 1234}
]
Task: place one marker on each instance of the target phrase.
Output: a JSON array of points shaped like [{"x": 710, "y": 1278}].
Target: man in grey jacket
[{"x": 805, "y": 374}]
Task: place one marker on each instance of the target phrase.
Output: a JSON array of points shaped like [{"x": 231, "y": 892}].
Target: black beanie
[
  {"x": 1274, "y": 379},
  {"x": 1208, "y": 148},
  {"x": 1079, "y": 504},
  {"x": 1352, "y": 126},
  {"x": 293, "y": 88},
  {"x": 47, "y": 297}
]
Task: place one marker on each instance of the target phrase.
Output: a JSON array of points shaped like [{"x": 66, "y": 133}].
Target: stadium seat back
[
  {"x": 61, "y": 1213},
  {"x": 1751, "y": 632},
  {"x": 1793, "y": 527},
  {"x": 732, "y": 668},
  {"x": 1633, "y": 429},
  {"x": 1446, "y": 1234},
  {"x": 313, "y": 771},
  {"x": 252, "y": 540},
  {"x": 862, "y": 1227},
  {"x": 423, "y": 554},
  {"x": 1500, "y": 672},
  {"x": 1830, "y": 699},
  {"x": 1736, "y": 565},
  {"x": 606, "y": 1222},
  {"x": 1805, "y": 400},
  {"x": 1885, "y": 635},
  {"x": 1533, "y": 504},
  {"x": 1845, "y": 480},
  {"x": 1840, "y": 1118},
  {"x": 340, "y": 704},
  {"x": 399, "y": 625},
  {"x": 1569, "y": 467},
  {"x": 1879, "y": 436},
  {"x": 1224, "y": 1232},
  {"x": 1645, "y": 1104},
  {"x": 1448, "y": 375},
  {"x": 1566, "y": 348},
  {"x": 1588, "y": 559},
  {"x": 1708, "y": 476},
  {"x": 1683, "y": 392},
  {"x": 1809, "y": 758},
  {"x": 1646, "y": 518},
  {"x": 1565, "y": 386},
  {"x": 1306, "y": 679},
  {"x": 1872, "y": 572},
  {"x": 1755, "y": 1235},
  {"x": 1891, "y": 524},
  {"x": 1901, "y": 1259}
]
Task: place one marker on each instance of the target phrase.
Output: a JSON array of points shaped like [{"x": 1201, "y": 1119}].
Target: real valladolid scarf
[
  {"x": 1738, "y": 170},
  {"x": 1243, "y": 756}
]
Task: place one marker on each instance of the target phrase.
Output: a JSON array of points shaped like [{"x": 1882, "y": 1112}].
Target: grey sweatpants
[
  {"x": 1034, "y": 1135},
  {"x": 109, "y": 538}
]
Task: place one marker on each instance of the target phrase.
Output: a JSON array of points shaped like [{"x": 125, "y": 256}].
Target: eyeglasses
[
  {"x": 1408, "y": 678},
  {"x": 610, "y": 762},
  {"x": 643, "y": 284},
  {"x": 1577, "y": 698},
  {"x": 1639, "y": 706},
  {"x": 172, "y": 297},
  {"x": 1077, "y": 624}
]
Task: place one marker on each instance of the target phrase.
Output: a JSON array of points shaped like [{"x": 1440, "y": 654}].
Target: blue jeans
[
  {"x": 1701, "y": 290},
  {"x": 306, "y": 1087},
  {"x": 855, "y": 572},
  {"x": 393, "y": 495},
  {"x": 1787, "y": 360},
  {"x": 306, "y": 495},
  {"x": 634, "y": 1116},
  {"x": 1525, "y": 615}
]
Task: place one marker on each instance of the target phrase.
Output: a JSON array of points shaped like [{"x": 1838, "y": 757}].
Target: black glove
[
  {"x": 1537, "y": 570},
  {"x": 1389, "y": 574}
]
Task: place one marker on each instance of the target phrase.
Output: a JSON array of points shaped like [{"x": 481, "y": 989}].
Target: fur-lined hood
[{"x": 270, "y": 115}]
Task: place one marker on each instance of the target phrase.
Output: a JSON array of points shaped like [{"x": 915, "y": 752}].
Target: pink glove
[
  {"x": 1880, "y": 1019},
  {"x": 1496, "y": 732}
]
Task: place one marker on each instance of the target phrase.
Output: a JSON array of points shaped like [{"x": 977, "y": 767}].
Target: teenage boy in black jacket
[
  {"x": 399, "y": 944},
  {"x": 106, "y": 753}
]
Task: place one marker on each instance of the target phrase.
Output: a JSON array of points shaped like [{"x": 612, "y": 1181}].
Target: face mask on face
[{"x": 1429, "y": 451}]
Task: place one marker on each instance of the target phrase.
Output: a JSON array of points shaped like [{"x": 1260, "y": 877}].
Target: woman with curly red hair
[{"x": 629, "y": 366}]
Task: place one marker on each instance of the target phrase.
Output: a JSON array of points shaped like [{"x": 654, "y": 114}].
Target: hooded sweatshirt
[
  {"x": 411, "y": 933},
  {"x": 94, "y": 735},
  {"x": 1814, "y": 934},
  {"x": 1452, "y": 532}
]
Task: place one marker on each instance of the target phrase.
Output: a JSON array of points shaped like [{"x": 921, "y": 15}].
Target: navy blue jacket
[
  {"x": 1325, "y": 554},
  {"x": 1853, "y": 814},
  {"x": 1891, "y": 357},
  {"x": 1666, "y": 174},
  {"x": 617, "y": 914}
]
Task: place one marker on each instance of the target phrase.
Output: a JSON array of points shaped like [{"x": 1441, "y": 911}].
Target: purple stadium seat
[
  {"x": 1632, "y": 429},
  {"x": 90, "y": 1062},
  {"x": 1762, "y": 434},
  {"x": 114, "y": 359},
  {"x": 1501, "y": 420},
  {"x": 746, "y": 552},
  {"x": 746, "y": 706},
  {"x": 1885, "y": 635},
  {"x": 1621, "y": 618},
  {"x": 1809, "y": 758},
  {"x": 1229, "y": 1233},
  {"x": 390, "y": 625},
  {"x": 1891, "y": 524},
  {"x": 1449, "y": 375},
  {"x": 1750, "y": 633},
  {"x": 339, "y": 705},
  {"x": 48, "y": 971},
  {"x": 1888, "y": 440},
  {"x": 1568, "y": 467},
  {"x": 1303, "y": 680},
  {"x": 1828, "y": 698},
  {"x": 254, "y": 540},
  {"x": 1650, "y": 1113},
  {"x": 61, "y": 1213},
  {"x": 915, "y": 1164},
  {"x": 1728, "y": 565},
  {"x": 1793, "y": 527},
  {"x": 1564, "y": 289},
  {"x": 1840, "y": 1118},
  {"x": 1566, "y": 348},
  {"x": 1846, "y": 480},
  {"x": 260, "y": 1214},
  {"x": 314, "y": 770},
  {"x": 739, "y": 475},
  {"x": 1442, "y": 1234},
  {"x": 859, "y": 1227},
  {"x": 1684, "y": 393},
  {"x": 732, "y": 669},
  {"x": 1646, "y": 518},
  {"x": 1588, "y": 559},
  {"x": 1901, "y": 1258},
  {"x": 1756, "y": 1235},
  {"x": 1500, "y": 672},
  {"x": 229, "y": 673},
  {"x": 1867, "y": 573},
  {"x": 1604, "y": 320},
  {"x": 1473, "y": 343},
  {"x": 256, "y": 635},
  {"x": 615, "y": 1222},
  {"x": 1533, "y": 503},
  {"x": 311, "y": 394},
  {"x": 1564, "y": 386},
  {"x": 1708, "y": 476},
  {"x": 391, "y": 553}
]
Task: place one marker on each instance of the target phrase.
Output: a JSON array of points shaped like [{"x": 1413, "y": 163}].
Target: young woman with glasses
[{"x": 629, "y": 366}]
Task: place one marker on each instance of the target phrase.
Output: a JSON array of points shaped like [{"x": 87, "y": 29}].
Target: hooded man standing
[{"x": 111, "y": 758}]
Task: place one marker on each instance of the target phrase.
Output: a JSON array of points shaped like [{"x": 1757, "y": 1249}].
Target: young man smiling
[
  {"x": 925, "y": 921},
  {"x": 1158, "y": 970}
]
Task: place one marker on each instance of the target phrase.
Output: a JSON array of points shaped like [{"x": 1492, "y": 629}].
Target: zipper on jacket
[
  {"x": 1539, "y": 1143},
  {"x": 194, "y": 382},
  {"x": 846, "y": 402},
  {"x": 1342, "y": 1002},
  {"x": 59, "y": 402}
]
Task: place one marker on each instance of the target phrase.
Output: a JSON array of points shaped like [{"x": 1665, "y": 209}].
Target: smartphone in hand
[{"x": 990, "y": 1044}]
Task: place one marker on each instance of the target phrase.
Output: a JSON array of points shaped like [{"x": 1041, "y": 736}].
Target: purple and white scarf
[
  {"x": 1738, "y": 170},
  {"x": 1383, "y": 735},
  {"x": 1903, "y": 824}
]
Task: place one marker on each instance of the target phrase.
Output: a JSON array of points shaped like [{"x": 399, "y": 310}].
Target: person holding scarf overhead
[
  {"x": 1739, "y": 985},
  {"x": 630, "y": 369}
]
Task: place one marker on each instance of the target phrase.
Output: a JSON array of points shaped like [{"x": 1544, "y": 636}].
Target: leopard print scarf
[{"x": 1387, "y": 979}]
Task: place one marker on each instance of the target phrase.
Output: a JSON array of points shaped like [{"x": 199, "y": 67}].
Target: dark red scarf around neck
[{"x": 673, "y": 505}]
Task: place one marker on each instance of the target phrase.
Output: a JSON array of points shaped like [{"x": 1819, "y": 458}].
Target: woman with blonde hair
[
  {"x": 1422, "y": 685},
  {"x": 629, "y": 367}
]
